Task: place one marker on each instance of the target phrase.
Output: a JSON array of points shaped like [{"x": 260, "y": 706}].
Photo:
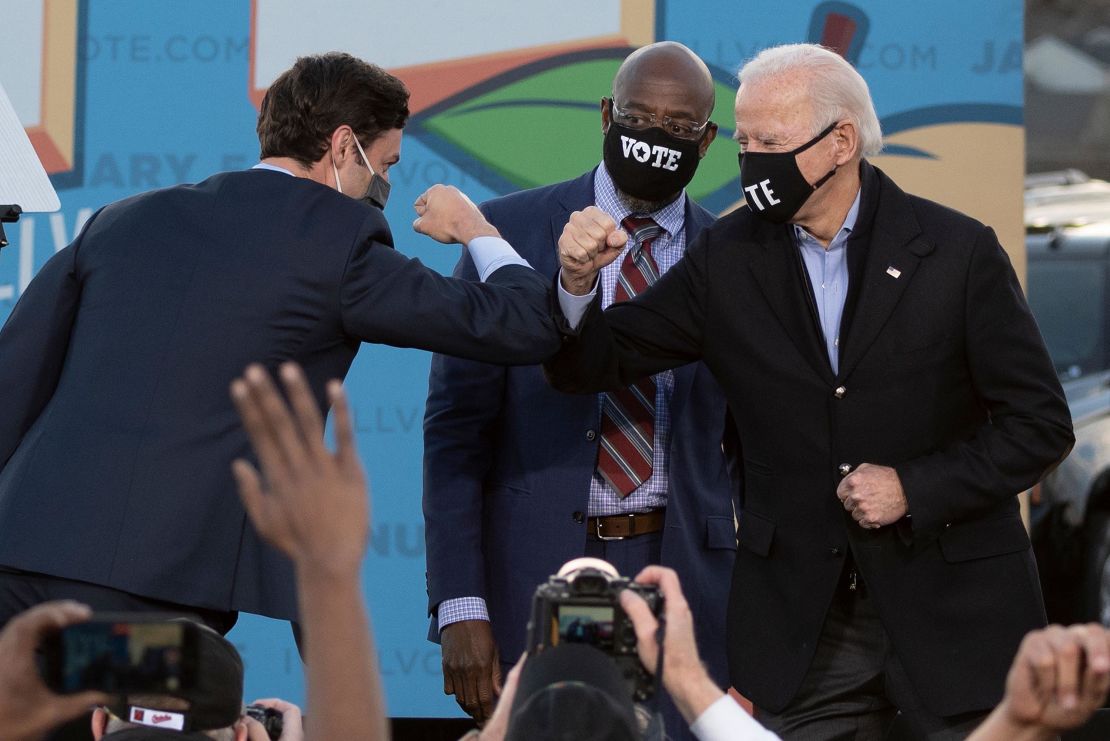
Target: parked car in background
[{"x": 1068, "y": 285}]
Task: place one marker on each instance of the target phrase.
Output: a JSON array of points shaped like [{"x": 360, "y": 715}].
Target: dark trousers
[
  {"x": 21, "y": 590},
  {"x": 856, "y": 686}
]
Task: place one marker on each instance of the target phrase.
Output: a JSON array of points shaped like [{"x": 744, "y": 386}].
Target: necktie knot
[{"x": 642, "y": 230}]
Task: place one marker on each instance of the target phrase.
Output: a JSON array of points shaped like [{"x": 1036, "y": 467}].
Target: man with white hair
[{"x": 892, "y": 395}]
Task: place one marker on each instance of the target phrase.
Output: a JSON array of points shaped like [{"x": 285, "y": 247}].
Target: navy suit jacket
[
  {"x": 508, "y": 462},
  {"x": 116, "y": 429}
]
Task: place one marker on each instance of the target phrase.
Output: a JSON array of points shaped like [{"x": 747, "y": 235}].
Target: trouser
[{"x": 856, "y": 684}]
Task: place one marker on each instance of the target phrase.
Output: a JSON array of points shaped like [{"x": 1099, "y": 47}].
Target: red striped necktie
[{"x": 624, "y": 457}]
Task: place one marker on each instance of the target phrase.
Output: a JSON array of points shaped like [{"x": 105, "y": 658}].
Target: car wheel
[{"x": 1096, "y": 568}]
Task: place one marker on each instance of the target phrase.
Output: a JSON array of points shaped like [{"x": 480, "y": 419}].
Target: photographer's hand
[
  {"x": 684, "y": 677},
  {"x": 292, "y": 727},
  {"x": 28, "y": 709},
  {"x": 1059, "y": 677}
]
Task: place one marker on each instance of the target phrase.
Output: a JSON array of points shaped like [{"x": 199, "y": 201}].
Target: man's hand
[
  {"x": 471, "y": 667},
  {"x": 315, "y": 505},
  {"x": 683, "y": 674},
  {"x": 874, "y": 496},
  {"x": 1059, "y": 677},
  {"x": 292, "y": 727},
  {"x": 28, "y": 709},
  {"x": 590, "y": 241},
  {"x": 498, "y": 725},
  {"x": 445, "y": 214}
]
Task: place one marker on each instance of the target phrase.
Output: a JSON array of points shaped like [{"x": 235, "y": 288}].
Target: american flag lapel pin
[{"x": 893, "y": 272}]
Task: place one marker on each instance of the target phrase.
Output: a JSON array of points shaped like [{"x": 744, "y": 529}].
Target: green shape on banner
[{"x": 546, "y": 127}]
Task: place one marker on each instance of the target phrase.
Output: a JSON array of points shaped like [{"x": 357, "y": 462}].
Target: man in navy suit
[
  {"x": 514, "y": 484},
  {"x": 117, "y": 432}
]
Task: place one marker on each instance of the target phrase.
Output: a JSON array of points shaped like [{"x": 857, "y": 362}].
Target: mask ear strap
[
  {"x": 828, "y": 175},
  {"x": 335, "y": 171},
  {"x": 816, "y": 139}
]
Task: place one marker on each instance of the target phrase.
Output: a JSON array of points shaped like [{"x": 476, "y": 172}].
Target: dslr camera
[{"x": 581, "y": 604}]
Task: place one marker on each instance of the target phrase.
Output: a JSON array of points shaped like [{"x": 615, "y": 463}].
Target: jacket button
[
  {"x": 840, "y": 391},
  {"x": 834, "y": 551},
  {"x": 591, "y": 435},
  {"x": 844, "y": 469},
  {"x": 579, "y": 517}
]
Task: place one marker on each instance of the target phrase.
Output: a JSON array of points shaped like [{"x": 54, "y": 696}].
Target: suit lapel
[
  {"x": 776, "y": 273},
  {"x": 895, "y": 248}
]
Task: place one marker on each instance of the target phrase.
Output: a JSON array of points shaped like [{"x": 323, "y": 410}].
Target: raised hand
[
  {"x": 590, "y": 241},
  {"x": 314, "y": 506},
  {"x": 445, "y": 214}
]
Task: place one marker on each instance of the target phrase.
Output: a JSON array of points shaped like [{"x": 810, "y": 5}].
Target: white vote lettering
[
  {"x": 626, "y": 144},
  {"x": 664, "y": 156},
  {"x": 771, "y": 200},
  {"x": 659, "y": 152}
]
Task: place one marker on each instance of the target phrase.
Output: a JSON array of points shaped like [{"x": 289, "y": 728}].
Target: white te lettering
[
  {"x": 672, "y": 161},
  {"x": 753, "y": 196},
  {"x": 771, "y": 200}
]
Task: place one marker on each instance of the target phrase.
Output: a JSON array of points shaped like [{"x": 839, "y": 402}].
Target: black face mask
[
  {"x": 773, "y": 185},
  {"x": 377, "y": 192},
  {"x": 649, "y": 164}
]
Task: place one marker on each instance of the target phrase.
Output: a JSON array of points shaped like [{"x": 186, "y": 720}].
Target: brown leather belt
[{"x": 617, "y": 527}]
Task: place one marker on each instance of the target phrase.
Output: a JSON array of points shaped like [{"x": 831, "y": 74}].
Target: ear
[
  {"x": 846, "y": 140},
  {"x": 707, "y": 139},
  {"x": 98, "y": 723},
  {"x": 339, "y": 144},
  {"x": 605, "y": 115}
]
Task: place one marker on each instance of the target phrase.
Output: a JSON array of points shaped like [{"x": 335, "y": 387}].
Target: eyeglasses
[{"x": 678, "y": 127}]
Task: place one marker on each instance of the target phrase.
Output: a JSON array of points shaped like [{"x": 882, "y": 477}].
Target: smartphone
[{"x": 125, "y": 653}]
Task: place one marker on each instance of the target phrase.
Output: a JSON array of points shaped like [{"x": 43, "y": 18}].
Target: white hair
[{"x": 836, "y": 89}]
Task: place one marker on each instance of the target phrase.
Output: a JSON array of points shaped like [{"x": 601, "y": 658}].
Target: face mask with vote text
[{"x": 649, "y": 164}]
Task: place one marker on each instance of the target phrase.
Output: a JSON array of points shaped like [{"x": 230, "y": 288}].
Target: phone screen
[{"x": 123, "y": 656}]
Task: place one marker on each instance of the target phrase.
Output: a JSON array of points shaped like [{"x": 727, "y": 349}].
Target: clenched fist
[
  {"x": 445, "y": 214},
  {"x": 590, "y": 241}
]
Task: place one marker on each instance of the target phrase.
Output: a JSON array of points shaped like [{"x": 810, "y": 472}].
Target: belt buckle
[{"x": 597, "y": 531}]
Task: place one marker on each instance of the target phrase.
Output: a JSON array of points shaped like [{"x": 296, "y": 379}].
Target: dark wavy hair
[{"x": 322, "y": 92}]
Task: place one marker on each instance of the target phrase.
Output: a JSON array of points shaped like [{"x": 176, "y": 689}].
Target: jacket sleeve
[
  {"x": 659, "y": 329},
  {"x": 33, "y": 344},
  {"x": 395, "y": 300},
  {"x": 460, "y": 420},
  {"x": 1029, "y": 429}
]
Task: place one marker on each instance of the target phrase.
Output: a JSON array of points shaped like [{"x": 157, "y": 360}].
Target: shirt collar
[
  {"x": 801, "y": 235},
  {"x": 268, "y": 166},
  {"x": 671, "y": 217}
]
